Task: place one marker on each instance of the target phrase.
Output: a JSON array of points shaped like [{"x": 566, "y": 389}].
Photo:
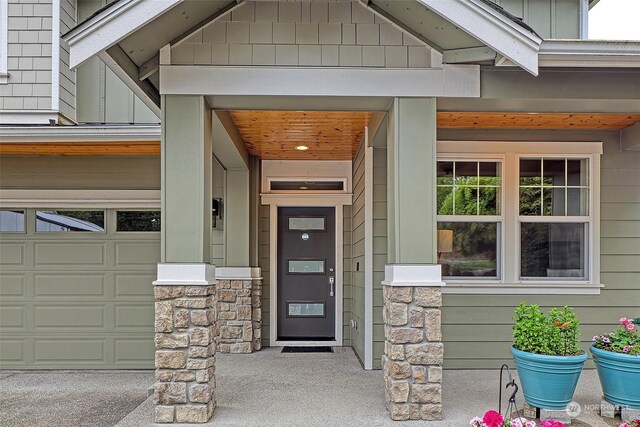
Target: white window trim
[
  {"x": 4, "y": 41},
  {"x": 512, "y": 151}
]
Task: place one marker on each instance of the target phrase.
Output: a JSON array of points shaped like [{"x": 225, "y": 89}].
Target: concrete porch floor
[{"x": 267, "y": 388}]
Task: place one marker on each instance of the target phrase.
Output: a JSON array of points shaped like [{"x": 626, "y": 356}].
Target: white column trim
[
  {"x": 368, "y": 254},
  {"x": 429, "y": 275},
  {"x": 199, "y": 274},
  {"x": 4, "y": 41},
  {"x": 55, "y": 55}
]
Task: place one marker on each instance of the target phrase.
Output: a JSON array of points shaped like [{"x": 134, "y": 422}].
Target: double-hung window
[{"x": 510, "y": 218}]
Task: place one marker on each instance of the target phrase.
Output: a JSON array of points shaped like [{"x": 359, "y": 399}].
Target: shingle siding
[
  {"x": 29, "y": 56},
  {"x": 319, "y": 33}
]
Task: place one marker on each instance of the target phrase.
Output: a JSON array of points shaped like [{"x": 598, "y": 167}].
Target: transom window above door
[{"x": 516, "y": 220}]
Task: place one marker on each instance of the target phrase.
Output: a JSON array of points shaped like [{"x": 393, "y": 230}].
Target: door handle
[{"x": 331, "y": 282}]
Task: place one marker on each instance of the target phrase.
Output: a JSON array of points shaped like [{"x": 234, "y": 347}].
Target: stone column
[
  {"x": 413, "y": 355},
  {"x": 185, "y": 327},
  {"x": 239, "y": 308}
]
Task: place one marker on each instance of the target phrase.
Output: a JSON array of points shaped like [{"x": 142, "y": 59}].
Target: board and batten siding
[
  {"x": 477, "y": 329},
  {"x": 551, "y": 19},
  {"x": 101, "y": 96}
]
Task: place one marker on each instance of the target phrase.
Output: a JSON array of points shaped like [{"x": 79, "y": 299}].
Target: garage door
[{"x": 76, "y": 288}]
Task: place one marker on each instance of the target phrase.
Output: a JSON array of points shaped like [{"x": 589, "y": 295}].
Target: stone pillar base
[
  {"x": 239, "y": 307},
  {"x": 413, "y": 356},
  {"x": 185, "y": 349}
]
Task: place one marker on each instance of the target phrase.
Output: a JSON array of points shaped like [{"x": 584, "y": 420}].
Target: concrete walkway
[
  {"x": 270, "y": 388},
  {"x": 267, "y": 388}
]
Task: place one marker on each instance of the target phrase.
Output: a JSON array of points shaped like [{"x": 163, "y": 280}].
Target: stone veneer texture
[
  {"x": 413, "y": 355},
  {"x": 239, "y": 307},
  {"x": 185, "y": 328}
]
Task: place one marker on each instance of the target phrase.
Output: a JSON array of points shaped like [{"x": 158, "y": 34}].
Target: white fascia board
[
  {"x": 586, "y": 54},
  {"x": 12, "y": 134},
  {"x": 491, "y": 28},
  {"x": 112, "y": 25},
  {"x": 460, "y": 81}
]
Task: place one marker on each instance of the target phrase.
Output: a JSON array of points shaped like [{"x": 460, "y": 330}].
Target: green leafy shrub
[
  {"x": 625, "y": 339},
  {"x": 555, "y": 334}
]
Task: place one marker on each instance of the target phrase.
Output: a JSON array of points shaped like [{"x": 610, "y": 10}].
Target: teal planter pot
[
  {"x": 548, "y": 381},
  {"x": 619, "y": 376}
]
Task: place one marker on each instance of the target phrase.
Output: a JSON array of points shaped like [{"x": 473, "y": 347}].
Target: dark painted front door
[{"x": 306, "y": 273}]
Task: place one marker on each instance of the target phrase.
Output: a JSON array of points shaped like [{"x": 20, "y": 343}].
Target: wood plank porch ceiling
[{"x": 273, "y": 135}]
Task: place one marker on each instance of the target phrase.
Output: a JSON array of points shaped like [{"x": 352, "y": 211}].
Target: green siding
[
  {"x": 77, "y": 300},
  {"x": 551, "y": 19},
  {"x": 358, "y": 249},
  {"x": 379, "y": 249},
  {"x": 477, "y": 329}
]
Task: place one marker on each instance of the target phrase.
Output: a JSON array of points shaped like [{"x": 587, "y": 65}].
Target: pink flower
[
  {"x": 630, "y": 327},
  {"x": 623, "y": 320},
  {"x": 476, "y": 422},
  {"x": 493, "y": 419},
  {"x": 551, "y": 423}
]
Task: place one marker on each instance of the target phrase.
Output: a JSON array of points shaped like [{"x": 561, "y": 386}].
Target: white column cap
[
  {"x": 428, "y": 275},
  {"x": 185, "y": 274}
]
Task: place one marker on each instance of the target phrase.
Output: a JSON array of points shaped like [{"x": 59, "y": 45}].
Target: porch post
[
  {"x": 413, "y": 356},
  {"x": 184, "y": 291}
]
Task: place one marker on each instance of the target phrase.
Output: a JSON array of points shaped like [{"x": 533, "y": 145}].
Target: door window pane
[
  {"x": 138, "y": 221},
  {"x": 11, "y": 221},
  {"x": 553, "y": 250},
  {"x": 307, "y": 223},
  {"x": 468, "y": 249},
  {"x": 300, "y": 309},
  {"x": 69, "y": 221},
  {"x": 305, "y": 266}
]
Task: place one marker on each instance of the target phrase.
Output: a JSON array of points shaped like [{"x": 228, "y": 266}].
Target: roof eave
[{"x": 519, "y": 45}]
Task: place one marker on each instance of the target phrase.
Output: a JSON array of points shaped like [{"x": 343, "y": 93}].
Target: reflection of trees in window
[
  {"x": 65, "y": 221},
  {"x": 138, "y": 221}
]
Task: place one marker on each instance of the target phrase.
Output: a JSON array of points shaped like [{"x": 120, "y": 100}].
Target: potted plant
[
  {"x": 617, "y": 359},
  {"x": 546, "y": 352}
]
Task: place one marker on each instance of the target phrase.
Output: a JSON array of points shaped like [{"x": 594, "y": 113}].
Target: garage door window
[
  {"x": 11, "y": 221},
  {"x": 138, "y": 221},
  {"x": 70, "y": 221}
]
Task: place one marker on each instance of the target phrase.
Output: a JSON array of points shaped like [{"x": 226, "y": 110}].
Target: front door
[{"x": 306, "y": 273}]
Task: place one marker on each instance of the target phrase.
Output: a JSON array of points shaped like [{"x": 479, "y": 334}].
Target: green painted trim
[
  {"x": 186, "y": 163},
  {"x": 411, "y": 150}
]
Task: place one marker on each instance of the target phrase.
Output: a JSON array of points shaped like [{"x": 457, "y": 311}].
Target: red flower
[
  {"x": 493, "y": 419},
  {"x": 552, "y": 423}
]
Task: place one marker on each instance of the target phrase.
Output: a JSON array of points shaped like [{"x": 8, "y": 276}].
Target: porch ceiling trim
[
  {"x": 462, "y": 81},
  {"x": 491, "y": 28}
]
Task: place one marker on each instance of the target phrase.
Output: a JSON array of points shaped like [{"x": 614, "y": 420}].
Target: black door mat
[{"x": 291, "y": 349}]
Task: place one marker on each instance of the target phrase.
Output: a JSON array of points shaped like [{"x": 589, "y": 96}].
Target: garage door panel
[
  {"x": 12, "y": 254},
  {"x": 64, "y": 350},
  {"x": 70, "y": 317},
  {"x": 12, "y": 285},
  {"x": 139, "y": 350},
  {"x": 65, "y": 285},
  {"x": 12, "y": 318},
  {"x": 135, "y": 316},
  {"x": 77, "y": 300},
  {"x": 12, "y": 352},
  {"x": 134, "y": 285},
  {"x": 69, "y": 254}
]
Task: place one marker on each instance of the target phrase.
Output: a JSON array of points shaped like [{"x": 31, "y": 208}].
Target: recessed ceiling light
[{"x": 302, "y": 148}]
